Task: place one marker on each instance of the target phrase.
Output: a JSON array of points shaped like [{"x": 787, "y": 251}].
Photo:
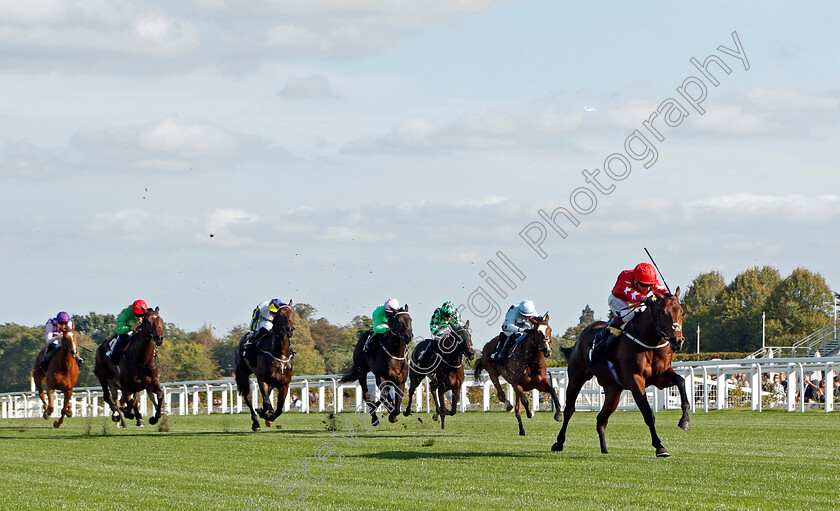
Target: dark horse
[
  {"x": 446, "y": 373},
  {"x": 524, "y": 368},
  {"x": 641, "y": 356},
  {"x": 61, "y": 374},
  {"x": 271, "y": 361},
  {"x": 138, "y": 371},
  {"x": 386, "y": 362}
]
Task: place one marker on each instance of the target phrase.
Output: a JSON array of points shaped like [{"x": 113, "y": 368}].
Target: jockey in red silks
[{"x": 627, "y": 297}]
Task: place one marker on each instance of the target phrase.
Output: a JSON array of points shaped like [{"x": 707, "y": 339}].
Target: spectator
[
  {"x": 766, "y": 386},
  {"x": 295, "y": 401},
  {"x": 778, "y": 388},
  {"x": 814, "y": 391},
  {"x": 783, "y": 380}
]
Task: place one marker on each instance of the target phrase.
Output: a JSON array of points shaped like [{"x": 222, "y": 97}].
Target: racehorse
[
  {"x": 446, "y": 373},
  {"x": 61, "y": 374},
  {"x": 524, "y": 368},
  {"x": 137, "y": 371},
  {"x": 639, "y": 357},
  {"x": 386, "y": 362},
  {"x": 271, "y": 361}
]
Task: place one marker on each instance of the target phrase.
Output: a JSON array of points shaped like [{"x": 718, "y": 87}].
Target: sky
[{"x": 207, "y": 155}]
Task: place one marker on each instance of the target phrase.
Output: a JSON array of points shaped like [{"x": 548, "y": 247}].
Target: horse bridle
[
  {"x": 286, "y": 330},
  {"x": 460, "y": 340},
  {"x": 150, "y": 329},
  {"x": 676, "y": 328}
]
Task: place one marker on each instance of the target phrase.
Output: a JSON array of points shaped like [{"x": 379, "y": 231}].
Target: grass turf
[{"x": 733, "y": 459}]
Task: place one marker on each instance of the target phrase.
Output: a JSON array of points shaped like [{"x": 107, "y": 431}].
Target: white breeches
[{"x": 623, "y": 309}]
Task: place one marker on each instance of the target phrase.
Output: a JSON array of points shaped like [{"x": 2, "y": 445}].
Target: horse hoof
[
  {"x": 56, "y": 424},
  {"x": 255, "y": 427},
  {"x": 521, "y": 432},
  {"x": 46, "y": 416},
  {"x": 392, "y": 418},
  {"x": 153, "y": 420},
  {"x": 556, "y": 447},
  {"x": 662, "y": 453},
  {"x": 558, "y": 416},
  {"x": 530, "y": 414},
  {"x": 374, "y": 422},
  {"x": 69, "y": 413},
  {"x": 406, "y": 413},
  {"x": 140, "y": 424},
  {"x": 115, "y": 417},
  {"x": 435, "y": 417},
  {"x": 684, "y": 425},
  {"x": 268, "y": 423}
]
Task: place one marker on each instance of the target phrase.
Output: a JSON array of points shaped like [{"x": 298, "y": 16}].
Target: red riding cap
[
  {"x": 139, "y": 307},
  {"x": 645, "y": 273}
]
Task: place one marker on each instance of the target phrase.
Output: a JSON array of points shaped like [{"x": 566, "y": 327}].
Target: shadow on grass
[{"x": 416, "y": 455}]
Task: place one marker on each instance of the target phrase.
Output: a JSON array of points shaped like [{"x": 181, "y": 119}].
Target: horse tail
[
  {"x": 351, "y": 375},
  {"x": 479, "y": 367},
  {"x": 567, "y": 352}
]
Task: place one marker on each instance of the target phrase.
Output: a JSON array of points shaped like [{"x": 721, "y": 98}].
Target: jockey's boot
[
  {"x": 505, "y": 352},
  {"x": 116, "y": 353},
  {"x": 368, "y": 344},
  {"x": 45, "y": 362},
  {"x": 499, "y": 347},
  {"x": 601, "y": 341},
  {"x": 425, "y": 355}
]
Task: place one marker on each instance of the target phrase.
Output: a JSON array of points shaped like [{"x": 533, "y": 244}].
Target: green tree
[
  {"x": 305, "y": 311},
  {"x": 699, "y": 306},
  {"x": 18, "y": 347},
  {"x": 799, "y": 305},
  {"x": 97, "y": 326},
  {"x": 738, "y": 311}
]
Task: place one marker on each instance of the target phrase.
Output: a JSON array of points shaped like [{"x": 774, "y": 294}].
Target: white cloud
[
  {"x": 222, "y": 223},
  {"x": 490, "y": 200},
  {"x": 733, "y": 120},
  {"x": 485, "y": 131},
  {"x": 30, "y": 12},
  {"x": 779, "y": 99},
  {"x": 306, "y": 87},
  {"x": 171, "y": 136},
  {"x": 798, "y": 207}
]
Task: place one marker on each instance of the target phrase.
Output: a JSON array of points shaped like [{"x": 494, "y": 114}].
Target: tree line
[
  {"x": 322, "y": 348},
  {"x": 729, "y": 316}
]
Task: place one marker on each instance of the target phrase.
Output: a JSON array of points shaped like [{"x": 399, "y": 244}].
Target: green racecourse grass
[{"x": 732, "y": 459}]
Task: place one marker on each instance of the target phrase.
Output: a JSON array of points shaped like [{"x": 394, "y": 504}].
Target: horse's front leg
[
  {"x": 441, "y": 407},
  {"x": 156, "y": 391},
  {"x": 395, "y": 400},
  {"x": 518, "y": 411},
  {"x": 675, "y": 379},
  {"x": 456, "y": 397},
  {"x": 523, "y": 397},
  {"x": 545, "y": 386},
  {"x": 67, "y": 409},
  {"x": 282, "y": 392},
  {"x": 134, "y": 404},
  {"x": 413, "y": 384},
  {"x": 367, "y": 402},
  {"x": 639, "y": 395},
  {"x": 265, "y": 392}
]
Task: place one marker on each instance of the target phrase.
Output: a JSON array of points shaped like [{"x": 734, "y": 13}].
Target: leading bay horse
[
  {"x": 388, "y": 364},
  {"x": 639, "y": 357},
  {"x": 524, "y": 369},
  {"x": 445, "y": 373},
  {"x": 61, "y": 374},
  {"x": 271, "y": 361},
  {"x": 138, "y": 371}
]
